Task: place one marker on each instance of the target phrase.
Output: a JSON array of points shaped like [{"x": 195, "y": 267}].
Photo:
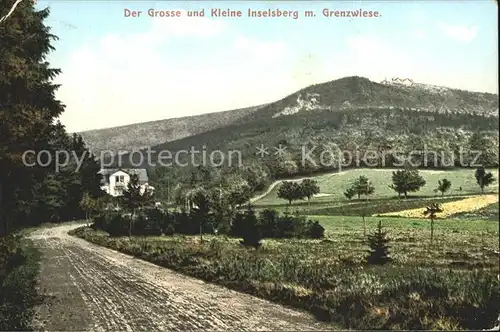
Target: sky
[{"x": 118, "y": 70}]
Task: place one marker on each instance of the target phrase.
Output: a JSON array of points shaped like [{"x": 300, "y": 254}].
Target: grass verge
[{"x": 19, "y": 267}]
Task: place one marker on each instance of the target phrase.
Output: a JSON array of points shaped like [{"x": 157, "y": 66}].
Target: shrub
[
  {"x": 315, "y": 230},
  {"x": 251, "y": 231},
  {"x": 291, "y": 226},
  {"x": 273, "y": 225},
  {"x": 169, "y": 230},
  {"x": 268, "y": 222},
  {"x": 155, "y": 222},
  {"x": 238, "y": 225},
  {"x": 144, "y": 225},
  {"x": 112, "y": 222}
]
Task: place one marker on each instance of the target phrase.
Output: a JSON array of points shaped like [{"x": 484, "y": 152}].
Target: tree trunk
[
  {"x": 289, "y": 202},
  {"x": 3, "y": 221},
  {"x": 432, "y": 229},
  {"x": 87, "y": 218},
  {"x": 406, "y": 194},
  {"x": 482, "y": 189},
  {"x": 130, "y": 224},
  {"x": 364, "y": 226},
  {"x": 201, "y": 232}
]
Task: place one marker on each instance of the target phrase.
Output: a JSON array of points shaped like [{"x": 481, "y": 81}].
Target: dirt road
[{"x": 88, "y": 287}]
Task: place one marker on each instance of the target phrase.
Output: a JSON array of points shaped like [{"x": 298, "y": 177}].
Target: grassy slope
[
  {"x": 334, "y": 184},
  {"x": 490, "y": 212}
]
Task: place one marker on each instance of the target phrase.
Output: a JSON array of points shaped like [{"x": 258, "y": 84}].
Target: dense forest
[
  {"x": 29, "y": 115},
  {"x": 379, "y": 137}
]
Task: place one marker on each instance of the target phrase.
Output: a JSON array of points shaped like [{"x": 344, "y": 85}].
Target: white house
[{"x": 115, "y": 180}]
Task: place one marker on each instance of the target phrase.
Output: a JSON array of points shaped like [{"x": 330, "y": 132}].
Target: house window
[{"x": 119, "y": 178}]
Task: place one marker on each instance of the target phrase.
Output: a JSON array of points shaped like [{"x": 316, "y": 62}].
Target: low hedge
[{"x": 270, "y": 223}]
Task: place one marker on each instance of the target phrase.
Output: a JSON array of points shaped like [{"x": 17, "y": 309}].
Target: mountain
[
  {"x": 141, "y": 135},
  {"x": 349, "y": 93},
  {"x": 358, "y": 92},
  {"x": 354, "y": 114},
  {"x": 374, "y": 124}
]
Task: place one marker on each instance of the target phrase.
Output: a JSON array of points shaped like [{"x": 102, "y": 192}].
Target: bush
[
  {"x": 113, "y": 223},
  {"x": 315, "y": 230},
  {"x": 144, "y": 225},
  {"x": 268, "y": 222},
  {"x": 156, "y": 221},
  {"x": 251, "y": 231},
  {"x": 238, "y": 225}
]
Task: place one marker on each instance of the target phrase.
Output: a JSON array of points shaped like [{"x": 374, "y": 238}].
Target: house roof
[{"x": 140, "y": 172}]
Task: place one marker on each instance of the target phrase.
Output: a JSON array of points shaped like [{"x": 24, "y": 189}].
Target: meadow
[
  {"x": 449, "y": 284},
  {"x": 333, "y": 185}
]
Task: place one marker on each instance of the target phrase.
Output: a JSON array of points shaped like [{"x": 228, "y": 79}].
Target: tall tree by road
[{"x": 28, "y": 108}]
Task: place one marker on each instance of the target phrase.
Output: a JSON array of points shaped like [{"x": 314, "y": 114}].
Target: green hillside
[
  {"x": 333, "y": 185},
  {"x": 384, "y": 124}
]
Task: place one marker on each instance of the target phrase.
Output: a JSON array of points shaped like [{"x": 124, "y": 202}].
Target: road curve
[
  {"x": 88, "y": 287},
  {"x": 272, "y": 186}
]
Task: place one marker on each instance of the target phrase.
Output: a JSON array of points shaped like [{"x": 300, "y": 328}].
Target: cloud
[
  {"x": 122, "y": 79},
  {"x": 461, "y": 33}
]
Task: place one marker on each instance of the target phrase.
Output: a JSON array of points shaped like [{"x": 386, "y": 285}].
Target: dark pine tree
[
  {"x": 251, "y": 230},
  {"x": 379, "y": 248},
  {"x": 28, "y": 108}
]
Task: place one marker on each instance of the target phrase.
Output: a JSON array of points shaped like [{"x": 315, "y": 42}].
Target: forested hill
[
  {"x": 141, "y": 135},
  {"x": 354, "y": 111},
  {"x": 344, "y": 95}
]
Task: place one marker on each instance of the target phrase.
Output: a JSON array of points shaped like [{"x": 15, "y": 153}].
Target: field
[
  {"x": 451, "y": 283},
  {"x": 469, "y": 204},
  {"x": 333, "y": 185}
]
